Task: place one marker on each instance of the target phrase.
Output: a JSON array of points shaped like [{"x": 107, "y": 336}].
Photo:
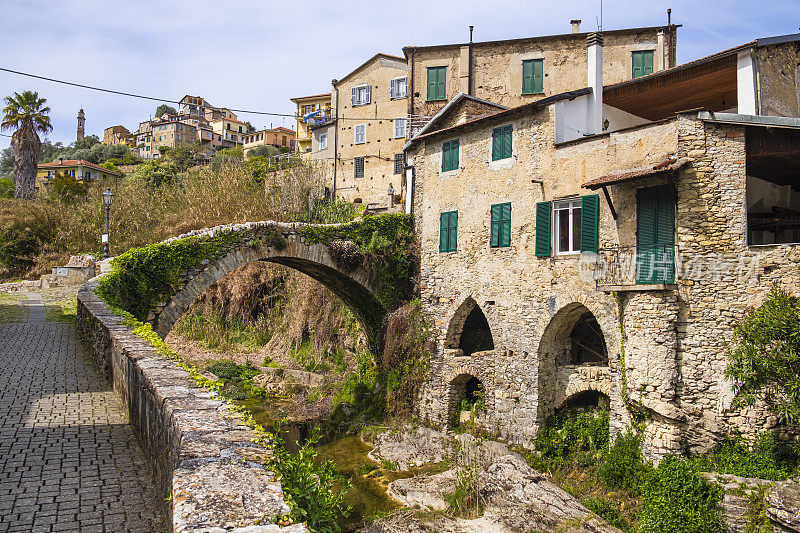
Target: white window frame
[
  {"x": 355, "y": 96},
  {"x": 322, "y": 141},
  {"x": 394, "y": 93},
  {"x": 570, "y": 205},
  {"x": 356, "y": 136},
  {"x": 395, "y": 123}
]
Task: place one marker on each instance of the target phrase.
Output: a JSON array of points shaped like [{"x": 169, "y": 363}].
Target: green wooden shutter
[
  {"x": 538, "y": 76},
  {"x": 544, "y": 212},
  {"x": 497, "y": 143},
  {"x": 647, "y": 62},
  {"x": 527, "y": 77},
  {"x": 445, "y": 156},
  {"x": 441, "y": 93},
  {"x": 505, "y": 224},
  {"x": 506, "y": 141},
  {"x": 432, "y": 75},
  {"x": 655, "y": 235},
  {"x": 443, "y": 232},
  {"x": 454, "y": 145},
  {"x": 452, "y": 241},
  {"x": 590, "y": 220},
  {"x": 494, "y": 227}
]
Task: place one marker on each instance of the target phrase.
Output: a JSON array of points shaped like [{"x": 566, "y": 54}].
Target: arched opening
[
  {"x": 469, "y": 329},
  {"x": 587, "y": 344},
  {"x": 467, "y": 398},
  {"x": 588, "y": 399},
  {"x": 573, "y": 356}
]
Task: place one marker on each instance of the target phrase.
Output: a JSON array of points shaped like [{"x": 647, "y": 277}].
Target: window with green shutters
[
  {"x": 437, "y": 83},
  {"x": 500, "y": 226},
  {"x": 533, "y": 76},
  {"x": 450, "y": 155},
  {"x": 568, "y": 226},
  {"x": 448, "y": 231},
  {"x": 501, "y": 143},
  {"x": 642, "y": 62},
  {"x": 655, "y": 235}
]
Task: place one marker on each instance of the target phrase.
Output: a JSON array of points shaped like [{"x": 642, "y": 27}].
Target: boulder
[{"x": 783, "y": 504}]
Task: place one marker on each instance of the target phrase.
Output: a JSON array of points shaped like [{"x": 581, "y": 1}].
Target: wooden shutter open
[
  {"x": 443, "y": 232},
  {"x": 497, "y": 143},
  {"x": 452, "y": 241},
  {"x": 494, "y": 227},
  {"x": 590, "y": 220},
  {"x": 353, "y": 96},
  {"x": 505, "y": 224},
  {"x": 544, "y": 213},
  {"x": 506, "y": 141}
]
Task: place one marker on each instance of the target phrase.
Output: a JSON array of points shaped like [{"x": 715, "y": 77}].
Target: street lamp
[{"x": 108, "y": 197}]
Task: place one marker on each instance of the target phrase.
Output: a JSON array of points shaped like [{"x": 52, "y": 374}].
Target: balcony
[{"x": 635, "y": 268}]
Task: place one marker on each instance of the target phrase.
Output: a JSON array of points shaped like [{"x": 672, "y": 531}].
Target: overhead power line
[{"x": 167, "y": 100}]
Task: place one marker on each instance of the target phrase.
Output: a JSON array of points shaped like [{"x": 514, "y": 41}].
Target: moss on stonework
[
  {"x": 142, "y": 278},
  {"x": 387, "y": 244}
]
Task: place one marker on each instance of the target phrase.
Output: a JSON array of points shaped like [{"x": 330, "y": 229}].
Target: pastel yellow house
[
  {"x": 306, "y": 105},
  {"x": 77, "y": 168}
]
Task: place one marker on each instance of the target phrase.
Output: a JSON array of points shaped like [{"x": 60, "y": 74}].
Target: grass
[
  {"x": 10, "y": 308},
  {"x": 62, "y": 311}
]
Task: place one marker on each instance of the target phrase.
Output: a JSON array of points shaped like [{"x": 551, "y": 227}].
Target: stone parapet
[{"x": 203, "y": 456}]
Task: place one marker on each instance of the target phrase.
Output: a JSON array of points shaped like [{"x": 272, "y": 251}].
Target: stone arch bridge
[{"x": 345, "y": 273}]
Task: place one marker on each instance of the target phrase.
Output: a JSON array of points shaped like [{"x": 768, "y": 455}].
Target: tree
[
  {"x": 765, "y": 360},
  {"x": 27, "y": 114},
  {"x": 165, "y": 108},
  {"x": 250, "y": 127}
]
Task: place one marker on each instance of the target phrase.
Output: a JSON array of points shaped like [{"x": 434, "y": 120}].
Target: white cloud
[{"x": 257, "y": 55}]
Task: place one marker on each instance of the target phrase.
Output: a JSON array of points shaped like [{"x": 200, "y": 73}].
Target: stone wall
[{"x": 201, "y": 453}]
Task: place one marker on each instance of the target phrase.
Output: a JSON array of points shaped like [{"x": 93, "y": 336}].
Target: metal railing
[{"x": 635, "y": 265}]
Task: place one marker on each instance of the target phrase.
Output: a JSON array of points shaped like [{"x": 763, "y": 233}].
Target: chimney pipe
[
  {"x": 576, "y": 25},
  {"x": 669, "y": 16},
  {"x": 594, "y": 119},
  {"x": 470, "y": 33}
]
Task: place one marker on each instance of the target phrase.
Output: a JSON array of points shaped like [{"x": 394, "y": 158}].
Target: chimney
[
  {"x": 576, "y": 25},
  {"x": 594, "y": 119}
]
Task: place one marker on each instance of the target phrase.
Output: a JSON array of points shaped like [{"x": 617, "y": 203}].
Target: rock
[
  {"x": 783, "y": 504},
  {"x": 412, "y": 447},
  {"x": 424, "y": 492}
]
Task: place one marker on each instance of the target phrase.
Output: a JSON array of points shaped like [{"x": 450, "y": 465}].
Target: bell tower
[{"x": 81, "y": 122}]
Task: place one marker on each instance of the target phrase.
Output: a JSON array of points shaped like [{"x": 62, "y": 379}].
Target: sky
[{"x": 257, "y": 55}]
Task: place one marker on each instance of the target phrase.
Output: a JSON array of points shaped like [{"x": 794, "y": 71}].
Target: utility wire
[{"x": 167, "y": 100}]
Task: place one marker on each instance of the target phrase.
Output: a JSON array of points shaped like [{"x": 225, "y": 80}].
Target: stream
[{"x": 370, "y": 480}]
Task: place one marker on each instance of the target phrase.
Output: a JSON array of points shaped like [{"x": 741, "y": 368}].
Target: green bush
[
  {"x": 314, "y": 491},
  {"x": 770, "y": 458},
  {"x": 6, "y": 188},
  {"x": 232, "y": 371},
  {"x": 67, "y": 189},
  {"x": 677, "y": 499},
  {"x": 574, "y": 430},
  {"x": 623, "y": 466},
  {"x": 605, "y": 509},
  {"x": 764, "y": 362},
  {"x": 23, "y": 235}
]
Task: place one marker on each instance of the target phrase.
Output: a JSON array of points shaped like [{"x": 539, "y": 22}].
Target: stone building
[
  {"x": 369, "y": 108},
  {"x": 118, "y": 135},
  {"x": 609, "y": 268},
  {"x": 318, "y": 105},
  {"x": 517, "y": 71}
]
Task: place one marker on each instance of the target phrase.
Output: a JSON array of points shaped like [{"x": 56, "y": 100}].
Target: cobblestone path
[{"x": 68, "y": 458}]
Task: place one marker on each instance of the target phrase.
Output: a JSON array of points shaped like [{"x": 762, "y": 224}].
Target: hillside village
[{"x": 578, "y": 223}]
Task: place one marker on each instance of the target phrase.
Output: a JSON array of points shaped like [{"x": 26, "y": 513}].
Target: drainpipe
[
  {"x": 411, "y": 91},
  {"x": 469, "y": 65},
  {"x": 335, "y": 139}
]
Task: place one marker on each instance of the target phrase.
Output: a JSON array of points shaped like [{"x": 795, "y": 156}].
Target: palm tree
[{"x": 27, "y": 114}]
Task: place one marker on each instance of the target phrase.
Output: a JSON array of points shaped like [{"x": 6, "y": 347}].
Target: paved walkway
[{"x": 68, "y": 458}]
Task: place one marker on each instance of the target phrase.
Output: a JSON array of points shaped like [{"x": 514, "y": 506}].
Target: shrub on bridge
[
  {"x": 388, "y": 245},
  {"x": 143, "y": 278}
]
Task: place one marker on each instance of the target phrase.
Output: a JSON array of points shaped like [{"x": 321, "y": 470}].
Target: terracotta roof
[
  {"x": 76, "y": 163},
  {"x": 296, "y": 98},
  {"x": 619, "y": 176}
]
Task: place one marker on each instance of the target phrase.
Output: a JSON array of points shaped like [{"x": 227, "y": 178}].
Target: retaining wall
[{"x": 202, "y": 454}]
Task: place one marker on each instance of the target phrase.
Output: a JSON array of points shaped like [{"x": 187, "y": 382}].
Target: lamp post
[{"x": 108, "y": 197}]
